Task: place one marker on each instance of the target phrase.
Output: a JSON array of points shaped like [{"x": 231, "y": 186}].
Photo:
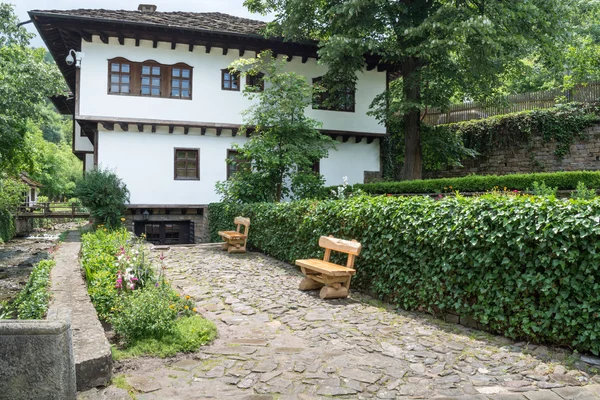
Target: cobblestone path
[{"x": 276, "y": 342}]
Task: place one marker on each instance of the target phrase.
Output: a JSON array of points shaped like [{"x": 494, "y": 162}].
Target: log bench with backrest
[
  {"x": 332, "y": 279},
  {"x": 235, "y": 241}
]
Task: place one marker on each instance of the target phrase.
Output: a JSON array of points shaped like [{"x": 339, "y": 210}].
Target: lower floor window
[{"x": 168, "y": 232}]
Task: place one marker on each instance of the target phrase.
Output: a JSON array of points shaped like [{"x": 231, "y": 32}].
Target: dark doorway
[{"x": 166, "y": 232}]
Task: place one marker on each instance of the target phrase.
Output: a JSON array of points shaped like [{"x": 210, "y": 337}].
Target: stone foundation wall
[
  {"x": 582, "y": 155},
  {"x": 201, "y": 230},
  {"x": 23, "y": 226}
]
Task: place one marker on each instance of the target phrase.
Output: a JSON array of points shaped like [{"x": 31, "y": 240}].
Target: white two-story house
[{"x": 153, "y": 101}]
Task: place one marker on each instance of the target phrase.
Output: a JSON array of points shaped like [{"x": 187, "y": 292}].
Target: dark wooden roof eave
[{"x": 64, "y": 104}]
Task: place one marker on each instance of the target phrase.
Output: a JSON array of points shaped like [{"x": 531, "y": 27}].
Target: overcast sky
[{"x": 233, "y": 7}]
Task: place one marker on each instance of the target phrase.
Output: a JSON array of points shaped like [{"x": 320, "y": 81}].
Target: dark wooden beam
[
  {"x": 381, "y": 68},
  {"x": 137, "y": 42},
  {"x": 85, "y": 36},
  {"x": 234, "y": 132},
  {"x": 371, "y": 67},
  {"x": 173, "y": 45},
  {"x": 289, "y": 57},
  {"x": 248, "y": 133},
  {"x": 203, "y": 130},
  {"x": 370, "y": 140},
  {"x": 242, "y": 51},
  {"x": 225, "y": 50},
  {"x": 140, "y": 127},
  {"x": 304, "y": 59},
  {"x": 219, "y": 130},
  {"x": 359, "y": 139},
  {"x": 154, "y": 43},
  {"x": 124, "y": 126},
  {"x": 109, "y": 126},
  {"x": 186, "y": 130},
  {"x": 153, "y": 128},
  {"x": 191, "y": 47},
  {"x": 121, "y": 38},
  {"x": 207, "y": 51},
  {"x": 103, "y": 37},
  {"x": 275, "y": 55},
  {"x": 345, "y": 139},
  {"x": 171, "y": 127}
]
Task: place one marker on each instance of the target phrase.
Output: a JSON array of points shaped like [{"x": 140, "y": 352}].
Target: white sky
[{"x": 233, "y": 7}]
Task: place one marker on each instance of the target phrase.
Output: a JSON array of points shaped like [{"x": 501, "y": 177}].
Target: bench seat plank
[
  {"x": 232, "y": 235},
  {"x": 325, "y": 267}
]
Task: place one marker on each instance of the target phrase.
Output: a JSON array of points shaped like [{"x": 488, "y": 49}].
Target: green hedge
[
  {"x": 7, "y": 226},
  {"x": 32, "y": 301},
  {"x": 484, "y": 183},
  {"x": 523, "y": 266}
]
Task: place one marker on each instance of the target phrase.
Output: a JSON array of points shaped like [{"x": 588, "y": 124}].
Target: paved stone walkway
[{"x": 276, "y": 342}]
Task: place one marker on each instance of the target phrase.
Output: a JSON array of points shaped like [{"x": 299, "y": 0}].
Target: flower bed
[
  {"x": 135, "y": 297},
  {"x": 523, "y": 266}
]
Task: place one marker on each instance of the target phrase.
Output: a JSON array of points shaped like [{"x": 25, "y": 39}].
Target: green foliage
[
  {"x": 285, "y": 143},
  {"x": 105, "y": 195},
  {"x": 190, "y": 333},
  {"x": 484, "y": 183},
  {"x": 525, "y": 267},
  {"x": 99, "y": 251},
  {"x": 104, "y": 295},
  {"x": 12, "y": 193},
  {"x": 582, "y": 192},
  {"x": 540, "y": 189},
  {"x": 561, "y": 125},
  {"x": 6, "y": 311},
  {"x": 32, "y": 301},
  {"x": 148, "y": 313}
]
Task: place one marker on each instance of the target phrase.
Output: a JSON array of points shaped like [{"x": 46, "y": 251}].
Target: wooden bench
[
  {"x": 332, "y": 279},
  {"x": 235, "y": 241}
]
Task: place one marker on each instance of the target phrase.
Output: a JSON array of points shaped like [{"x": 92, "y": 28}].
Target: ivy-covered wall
[{"x": 565, "y": 138}]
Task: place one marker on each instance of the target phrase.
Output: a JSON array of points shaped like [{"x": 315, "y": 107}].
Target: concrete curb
[{"x": 93, "y": 358}]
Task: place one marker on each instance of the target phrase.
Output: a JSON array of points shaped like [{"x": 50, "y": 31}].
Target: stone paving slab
[{"x": 276, "y": 342}]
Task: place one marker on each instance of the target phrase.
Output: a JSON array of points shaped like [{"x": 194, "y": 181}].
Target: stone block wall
[
  {"x": 582, "y": 155},
  {"x": 36, "y": 358},
  {"x": 201, "y": 230}
]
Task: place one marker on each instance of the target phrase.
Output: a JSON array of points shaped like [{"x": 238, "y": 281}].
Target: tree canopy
[{"x": 443, "y": 49}]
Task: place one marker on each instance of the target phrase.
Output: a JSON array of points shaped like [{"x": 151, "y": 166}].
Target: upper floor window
[
  {"x": 235, "y": 163},
  {"x": 149, "y": 78},
  {"x": 120, "y": 77},
  {"x": 256, "y": 81},
  {"x": 342, "y": 100},
  {"x": 230, "y": 80}
]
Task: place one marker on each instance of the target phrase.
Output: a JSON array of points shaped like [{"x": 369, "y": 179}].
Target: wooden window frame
[
  {"x": 237, "y": 80},
  {"x": 230, "y": 152},
  {"x": 261, "y": 76},
  {"x": 175, "y": 177},
  {"x": 135, "y": 78},
  {"x": 180, "y": 66},
  {"x": 119, "y": 60},
  {"x": 322, "y": 98},
  {"x": 162, "y": 86}
]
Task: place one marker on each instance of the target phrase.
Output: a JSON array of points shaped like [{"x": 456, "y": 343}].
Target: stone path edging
[{"x": 93, "y": 359}]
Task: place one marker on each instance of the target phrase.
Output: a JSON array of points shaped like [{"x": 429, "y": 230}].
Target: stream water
[{"x": 18, "y": 256}]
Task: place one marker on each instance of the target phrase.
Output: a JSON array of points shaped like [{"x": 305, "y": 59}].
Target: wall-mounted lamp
[
  {"x": 74, "y": 57},
  {"x": 145, "y": 215}
]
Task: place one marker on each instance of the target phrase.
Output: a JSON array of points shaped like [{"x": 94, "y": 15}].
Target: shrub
[
  {"x": 483, "y": 183},
  {"x": 526, "y": 267},
  {"x": 103, "y": 293},
  {"x": 149, "y": 313},
  {"x": 42, "y": 199},
  {"x": 105, "y": 195},
  {"x": 32, "y": 301},
  {"x": 540, "y": 189},
  {"x": 582, "y": 192},
  {"x": 7, "y": 226}
]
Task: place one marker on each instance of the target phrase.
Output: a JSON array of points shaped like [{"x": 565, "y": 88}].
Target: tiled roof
[{"x": 211, "y": 21}]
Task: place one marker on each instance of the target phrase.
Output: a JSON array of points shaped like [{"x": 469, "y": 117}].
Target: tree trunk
[{"x": 413, "y": 157}]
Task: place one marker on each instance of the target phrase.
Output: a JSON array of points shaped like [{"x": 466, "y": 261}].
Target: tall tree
[
  {"x": 285, "y": 142},
  {"x": 25, "y": 82},
  {"x": 442, "y": 48}
]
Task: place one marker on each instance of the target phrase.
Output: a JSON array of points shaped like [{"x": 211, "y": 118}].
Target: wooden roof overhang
[
  {"x": 64, "y": 103},
  {"x": 89, "y": 125},
  {"x": 63, "y": 32}
]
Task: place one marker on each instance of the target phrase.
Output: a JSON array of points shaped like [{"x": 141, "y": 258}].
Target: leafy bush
[
  {"x": 42, "y": 199},
  {"x": 7, "y": 226},
  {"x": 483, "y": 183},
  {"x": 32, "y": 301},
  {"x": 105, "y": 195},
  {"x": 99, "y": 251},
  {"x": 582, "y": 192},
  {"x": 6, "y": 311},
  {"x": 103, "y": 293},
  {"x": 149, "y": 313},
  {"x": 11, "y": 195},
  {"x": 540, "y": 189},
  {"x": 526, "y": 267}
]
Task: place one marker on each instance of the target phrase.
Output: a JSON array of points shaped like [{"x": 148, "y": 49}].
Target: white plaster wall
[
  {"x": 209, "y": 103},
  {"x": 82, "y": 143},
  {"x": 89, "y": 161},
  {"x": 144, "y": 161}
]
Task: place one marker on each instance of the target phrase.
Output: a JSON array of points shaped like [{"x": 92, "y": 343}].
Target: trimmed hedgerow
[
  {"x": 522, "y": 266},
  {"x": 483, "y": 183}
]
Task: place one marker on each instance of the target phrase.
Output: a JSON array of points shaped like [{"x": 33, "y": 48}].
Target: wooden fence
[
  {"x": 52, "y": 210},
  {"x": 514, "y": 103}
]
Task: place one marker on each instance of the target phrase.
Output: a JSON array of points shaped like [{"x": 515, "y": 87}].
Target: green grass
[{"x": 190, "y": 334}]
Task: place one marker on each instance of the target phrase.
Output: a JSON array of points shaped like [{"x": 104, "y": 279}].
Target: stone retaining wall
[
  {"x": 582, "y": 155},
  {"x": 36, "y": 358}
]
